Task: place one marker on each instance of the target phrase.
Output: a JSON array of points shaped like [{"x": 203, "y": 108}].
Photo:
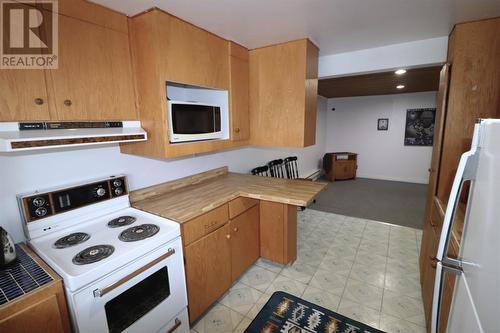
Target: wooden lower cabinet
[
  {"x": 208, "y": 270},
  {"x": 278, "y": 232},
  {"x": 219, "y": 257},
  {"x": 41, "y": 310},
  {"x": 245, "y": 248}
]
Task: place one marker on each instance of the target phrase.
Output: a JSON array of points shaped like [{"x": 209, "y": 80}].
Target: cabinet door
[
  {"x": 239, "y": 92},
  {"x": 24, "y": 95},
  {"x": 208, "y": 270},
  {"x": 94, "y": 79},
  {"x": 244, "y": 241},
  {"x": 192, "y": 55},
  {"x": 43, "y": 316}
]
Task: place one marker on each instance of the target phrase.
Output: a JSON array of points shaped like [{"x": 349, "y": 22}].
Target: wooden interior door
[
  {"x": 208, "y": 270},
  {"x": 442, "y": 96},
  {"x": 245, "y": 249},
  {"x": 94, "y": 79},
  {"x": 428, "y": 264}
]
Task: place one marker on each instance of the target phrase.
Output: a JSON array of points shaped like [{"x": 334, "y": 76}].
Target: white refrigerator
[{"x": 476, "y": 299}]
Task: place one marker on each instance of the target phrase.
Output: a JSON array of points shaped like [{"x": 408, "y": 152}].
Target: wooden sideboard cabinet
[
  {"x": 283, "y": 94},
  {"x": 341, "y": 165}
]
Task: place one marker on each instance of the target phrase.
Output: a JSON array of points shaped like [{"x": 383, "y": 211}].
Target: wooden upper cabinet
[
  {"x": 23, "y": 96},
  {"x": 283, "y": 93},
  {"x": 190, "y": 54},
  {"x": 94, "y": 80},
  {"x": 238, "y": 92},
  {"x": 167, "y": 49}
]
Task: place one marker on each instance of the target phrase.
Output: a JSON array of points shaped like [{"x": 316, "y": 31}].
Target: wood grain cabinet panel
[
  {"x": 240, "y": 204},
  {"x": 23, "y": 96},
  {"x": 94, "y": 79},
  {"x": 208, "y": 270},
  {"x": 278, "y": 232},
  {"x": 245, "y": 248},
  {"x": 283, "y": 94},
  {"x": 239, "y": 92},
  {"x": 192, "y": 55},
  {"x": 40, "y": 317},
  {"x": 204, "y": 224}
]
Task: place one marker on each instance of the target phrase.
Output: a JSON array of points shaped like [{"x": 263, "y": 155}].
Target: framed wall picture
[
  {"x": 383, "y": 124},
  {"x": 419, "y": 130}
]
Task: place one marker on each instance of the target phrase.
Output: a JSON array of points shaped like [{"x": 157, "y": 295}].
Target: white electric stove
[{"x": 122, "y": 268}]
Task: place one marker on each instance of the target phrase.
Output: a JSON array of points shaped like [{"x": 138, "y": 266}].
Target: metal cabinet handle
[
  {"x": 176, "y": 326},
  {"x": 39, "y": 101},
  {"x": 68, "y": 102},
  {"x": 237, "y": 129},
  {"x": 101, "y": 292}
]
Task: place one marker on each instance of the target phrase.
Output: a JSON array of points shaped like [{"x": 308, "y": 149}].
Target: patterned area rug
[{"x": 286, "y": 313}]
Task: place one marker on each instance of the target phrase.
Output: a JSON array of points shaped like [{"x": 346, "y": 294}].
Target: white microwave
[{"x": 192, "y": 121}]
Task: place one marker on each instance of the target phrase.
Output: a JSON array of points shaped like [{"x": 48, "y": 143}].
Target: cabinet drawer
[
  {"x": 241, "y": 204},
  {"x": 204, "y": 224}
]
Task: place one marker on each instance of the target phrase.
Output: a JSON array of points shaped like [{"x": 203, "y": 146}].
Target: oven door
[{"x": 142, "y": 297}]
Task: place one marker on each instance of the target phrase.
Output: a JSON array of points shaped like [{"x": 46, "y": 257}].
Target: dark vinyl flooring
[{"x": 386, "y": 201}]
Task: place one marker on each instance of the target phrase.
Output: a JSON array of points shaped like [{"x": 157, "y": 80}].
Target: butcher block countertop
[{"x": 186, "y": 198}]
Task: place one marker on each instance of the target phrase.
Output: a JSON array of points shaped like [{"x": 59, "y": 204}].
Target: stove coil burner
[
  {"x": 93, "y": 254},
  {"x": 138, "y": 233},
  {"x": 71, "y": 240},
  {"x": 121, "y": 221}
]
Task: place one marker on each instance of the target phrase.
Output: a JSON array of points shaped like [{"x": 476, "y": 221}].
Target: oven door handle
[
  {"x": 101, "y": 292},
  {"x": 176, "y": 326}
]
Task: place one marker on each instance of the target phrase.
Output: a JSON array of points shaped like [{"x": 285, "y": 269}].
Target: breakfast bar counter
[
  {"x": 228, "y": 220},
  {"x": 184, "y": 199}
]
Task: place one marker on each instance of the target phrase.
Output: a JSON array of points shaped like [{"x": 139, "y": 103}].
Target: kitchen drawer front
[
  {"x": 204, "y": 224},
  {"x": 241, "y": 204}
]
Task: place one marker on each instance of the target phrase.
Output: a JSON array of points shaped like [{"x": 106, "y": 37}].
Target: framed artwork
[
  {"x": 419, "y": 130},
  {"x": 383, "y": 124}
]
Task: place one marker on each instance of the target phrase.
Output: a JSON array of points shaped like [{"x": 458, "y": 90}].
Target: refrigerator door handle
[
  {"x": 466, "y": 171},
  {"x": 438, "y": 292}
]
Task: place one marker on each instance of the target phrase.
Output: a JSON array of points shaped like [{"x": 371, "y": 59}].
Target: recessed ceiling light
[
  {"x": 400, "y": 71},
  {"x": 400, "y": 86}
]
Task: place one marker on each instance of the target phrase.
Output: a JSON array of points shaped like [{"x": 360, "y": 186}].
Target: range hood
[{"x": 21, "y": 136}]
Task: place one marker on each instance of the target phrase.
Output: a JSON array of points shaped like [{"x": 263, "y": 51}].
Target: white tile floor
[{"x": 362, "y": 269}]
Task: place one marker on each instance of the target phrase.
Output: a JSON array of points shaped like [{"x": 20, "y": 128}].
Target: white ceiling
[{"x": 334, "y": 25}]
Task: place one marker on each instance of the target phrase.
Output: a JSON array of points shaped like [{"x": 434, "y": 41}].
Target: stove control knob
[
  {"x": 100, "y": 192},
  {"x": 39, "y": 202},
  {"x": 118, "y": 191},
  {"x": 41, "y": 211},
  {"x": 117, "y": 183}
]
